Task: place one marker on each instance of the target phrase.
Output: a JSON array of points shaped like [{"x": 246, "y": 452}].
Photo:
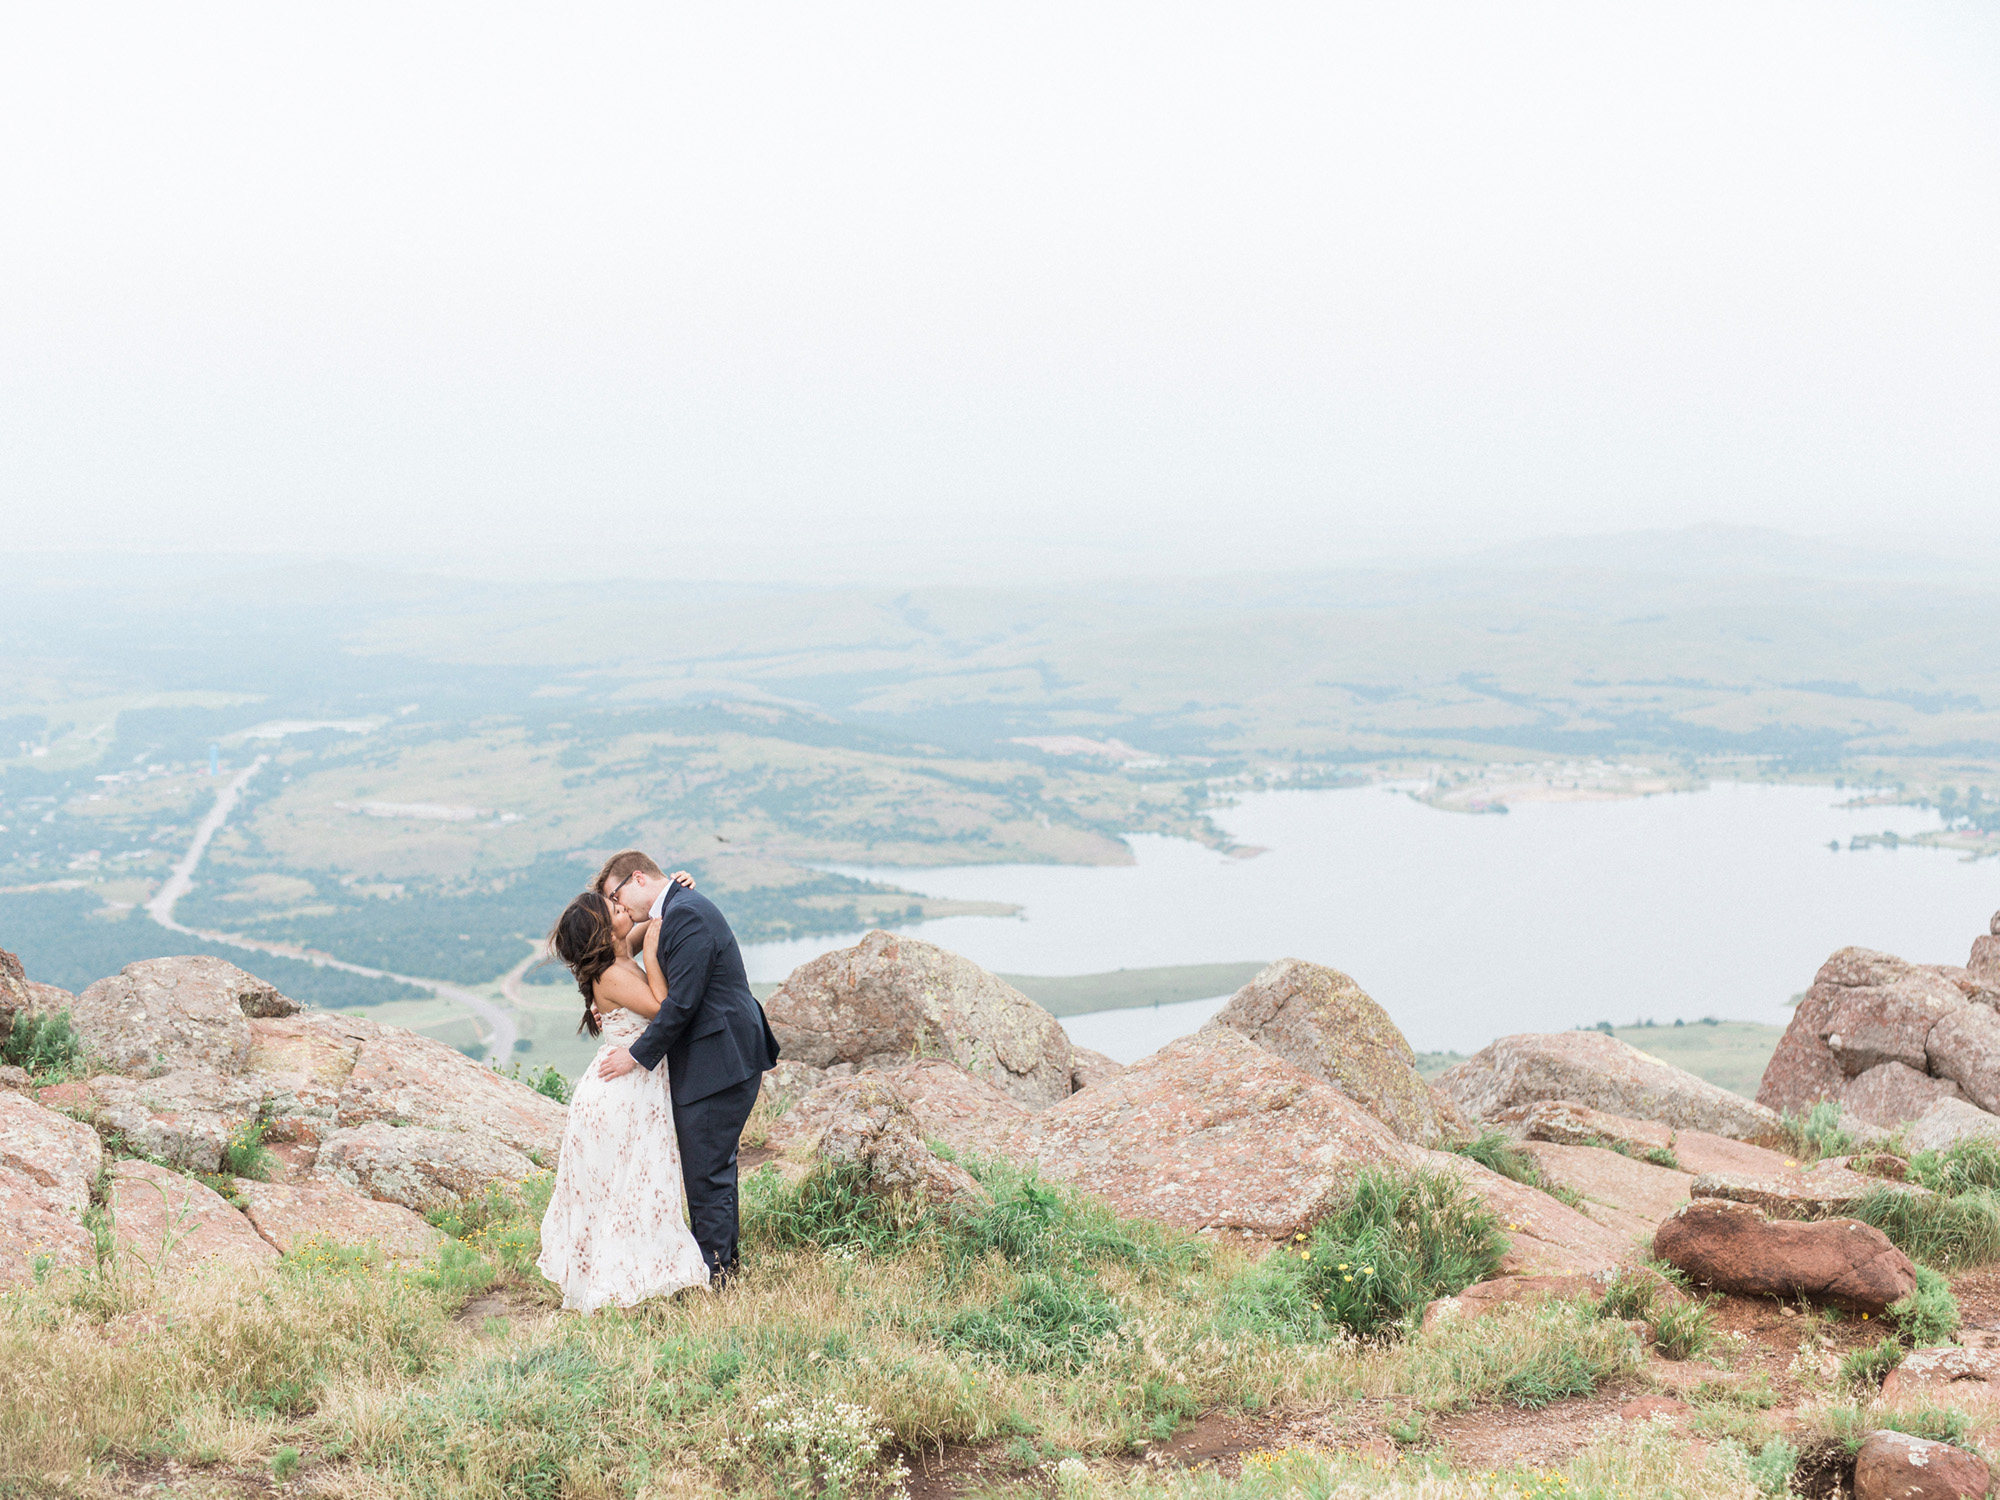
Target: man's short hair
[{"x": 621, "y": 864}]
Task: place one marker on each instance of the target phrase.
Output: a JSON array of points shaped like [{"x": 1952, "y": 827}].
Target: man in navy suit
[{"x": 712, "y": 1034}]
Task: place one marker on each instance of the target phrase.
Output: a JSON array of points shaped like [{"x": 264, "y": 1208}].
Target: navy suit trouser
[{"x": 710, "y": 1130}]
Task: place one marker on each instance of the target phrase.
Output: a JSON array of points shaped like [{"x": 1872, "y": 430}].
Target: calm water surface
[{"x": 1721, "y": 902}]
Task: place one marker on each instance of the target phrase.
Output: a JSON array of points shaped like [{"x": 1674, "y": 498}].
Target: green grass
[
  {"x": 1945, "y": 1233},
  {"x": 1496, "y": 1151},
  {"x": 1816, "y": 1133},
  {"x": 1929, "y": 1315},
  {"x": 1039, "y": 1325},
  {"x": 45, "y": 1044},
  {"x": 1389, "y": 1245},
  {"x": 1961, "y": 1167},
  {"x": 1685, "y": 1329}
]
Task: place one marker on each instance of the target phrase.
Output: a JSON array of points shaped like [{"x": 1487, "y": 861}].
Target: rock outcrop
[
  {"x": 48, "y": 1163},
  {"x": 1546, "y": 1237},
  {"x": 1602, "y": 1073},
  {"x": 286, "y": 1213},
  {"x": 1088, "y": 1067},
  {"x": 165, "y": 1222},
  {"x": 1965, "y": 1048},
  {"x": 1322, "y": 1021},
  {"x": 1896, "y": 1466},
  {"x": 14, "y": 999},
  {"x": 1734, "y": 1247},
  {"x": 867, "y": 1123},
  {"x": 205, "y": 1049},
  {"x": 890, "y": 999},
  {"x": 944, "y": 1103},
  {"x": 1962, "y": 1372},
  {"x": 185, "y": 1118},
  {"x": 1562, "y": 1123},
  {"x": 1211, "y": 1132},
  {"x": 1825, "y": 1192},
  {"x": 1889, "y": 1041},
  {"x": 168, "y": 1013},
  {"x": 1949, "y": 1121},
  {"x": 435, "y": 1087},
  {"x": 1892, "y": 1092},
  {"x": 1619, "y": 1192},
  {"x": 420, "y": 1169}
]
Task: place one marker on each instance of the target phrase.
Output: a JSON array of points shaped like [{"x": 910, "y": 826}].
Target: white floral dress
[{"x": 616, "y": 1230}]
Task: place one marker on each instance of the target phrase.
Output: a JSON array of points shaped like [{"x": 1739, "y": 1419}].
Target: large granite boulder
[
  {"x": 1984, "y": 962},
  {"x": 1211, "y": 1132},
  {"x": 1619, "y": 1192},
  {"x": 48, "y": 1163},
  {"x": 1735, "y": 1247},
  {"x": 164, "y": 1222},
  {"x": 185, "y": 1118},
  {"x": 1827, "y": 1191},
  {"x": 1602, "y": 1073},
  {"x": 1893, "y": 1092},
  {"x": 14, "y": 999},
  {"x": 302, "y": 1063},
  {"x": 287, "y": 1213},
  {"x": 1892, "y": 1465},
  {"x": 944, "y": 1103},
  {"x": 1965, "y": 1048},
  {"x": 890, "y": 999},
  {"x": 1948, "y": 1122},
  {"x": 419, "y": 1168},
  {"x": 1864, "y": 1009},
  {"x": 400, "y": 1078},
  {"x": 1546, "y": 1237},
  {"x": 1562, "y": 1123},
  {"x": 866, "y": 1123},
  {"x": 167, "y": 1013},
  {"x": 1325, "y": 1023}
]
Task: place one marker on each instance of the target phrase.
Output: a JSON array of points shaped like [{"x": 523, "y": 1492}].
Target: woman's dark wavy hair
[{"x": 587, "y": 943}]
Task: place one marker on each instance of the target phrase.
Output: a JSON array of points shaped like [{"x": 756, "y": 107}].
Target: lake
[{"x": 1721, "y": 902}]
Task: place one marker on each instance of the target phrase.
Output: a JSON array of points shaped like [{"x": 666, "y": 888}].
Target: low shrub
[
  {"x": 1046, "y": 1323},
  {"x": 1865, "y": 1368},
  {"x": 1772, "y": 1467},
  {"x": 1960, "y": 1168},
  {"x": 1930, "y": 1314},
  {"x": 1933, "y": 1230},
  {"x": 245, "y": 1155},
  {"x": 1817, "y": 1133},
  {"x": 1684, "y": 1330},
  {"x": 1526, "y": 1355},
  {"x": 1390, "y": 1244},
  {"x": 45, "y": 1044},
  {"x": 832, "y": 1208}
]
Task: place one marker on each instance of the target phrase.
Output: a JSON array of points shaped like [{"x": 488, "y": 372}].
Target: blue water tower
[{"x": 214, "y": 760}]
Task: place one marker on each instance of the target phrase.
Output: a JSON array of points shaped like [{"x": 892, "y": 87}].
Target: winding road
[{"x": 500, "y": 1028}]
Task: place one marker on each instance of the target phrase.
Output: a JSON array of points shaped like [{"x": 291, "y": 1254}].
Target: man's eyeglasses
[{"x": 612, "y": 894}]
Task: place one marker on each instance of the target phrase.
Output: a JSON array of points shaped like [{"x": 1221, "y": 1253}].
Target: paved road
[
  {"x": 500, "y": 1029},
  {"x": 181, "y": 880}
]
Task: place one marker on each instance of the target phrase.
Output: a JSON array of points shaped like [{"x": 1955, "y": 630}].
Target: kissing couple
[{"x": 645, "y": 1196}]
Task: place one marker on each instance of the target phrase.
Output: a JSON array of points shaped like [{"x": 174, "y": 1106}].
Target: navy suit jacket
[{"x": 711, "y": 1031}]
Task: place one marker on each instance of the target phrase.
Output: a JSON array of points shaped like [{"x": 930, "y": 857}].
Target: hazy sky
[{"x": 957, "y": 290}]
